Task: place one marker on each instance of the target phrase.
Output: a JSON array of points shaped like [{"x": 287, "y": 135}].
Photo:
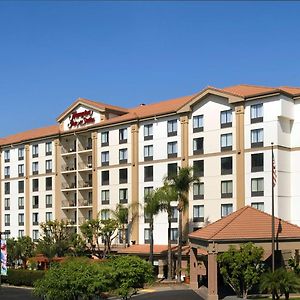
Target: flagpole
[{"x": 273, "y": 217}]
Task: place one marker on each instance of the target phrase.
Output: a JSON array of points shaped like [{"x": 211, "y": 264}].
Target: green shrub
[{"x": 23, "y": 277}]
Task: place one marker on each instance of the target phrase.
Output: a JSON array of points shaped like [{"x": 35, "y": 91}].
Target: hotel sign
[{"x": 77, "y": 119}]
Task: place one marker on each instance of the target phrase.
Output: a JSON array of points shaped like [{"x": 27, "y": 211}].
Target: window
[
  {"x": 48, "y": 201},
  {"x": 21, "y": 186},
  {"x": 35, "y": 219},
  {"x": 21, "y": 233},
  {"x": 226, "y": 118},
  {"x": 148, "y": 190},
  {"x": 174, "y": 235},
  {"x": 121, "y": 236},
  {"x": 257, "y": 162},
  {"x": 148, "y": 152},
  {"x": 21, "y": 153},
  {"x": 35, "y": 185},
  {"x": 172, "y": 127},
  {"x": 48, "y": 166},
  {"x": 123, "y": 156},
  {"x": 35, "y": 150},
  {"x": 21, "y": 219},
  {"x": 147, "y": 216},
  {"x": 105, "y": 138},
  {"x": 226, "y": 189},
  {"x": 21, "y": 170},
  {"x": 123, "y": 176},
  {"x": 35, "y": 235},
  {"x": 6, "y": 156},
  {"x": 48, "y": 216},
  {"x": 7, "y": 220},
  {"x": 35, "y": 168},
  {"x": 148, "y": 132},
  {"x": 257, "y": 138},
  {"x": 172, "y": 149},
  {"x": 198, "y": 145},
  {"x": 226, "y": 142},
  {"x": 257, "y": 187},
  {"x": 123, "y": 135},
  {"x": 105, "y": 158},
  {"x": 35, "y": 202},
  {"x": 198, "y": 191},
  {"x": 258, "y": 205},
  {"x": 6, "y": 172},
  {"x": 48, "y": 148},
  {"x": 123, "y": 196},
  {"x": 198, "y": 123},
  {"x": 148, "y": 173},
  {"x": 89, "y": 144},
  {"x": 21, "y": 202},
  {"x": 226, "y": 209},
  {"x": 105, "y": 177},
  {"x": 198, "y": 213},
  {"x": 48, "y": 183},
  {"x": 7, "y": 188},
  {"x": 7, "y": 203},
  {"x": 174, "y": 214},
  {"x": 172, "y": 170},
  {"x": 226, "y": 165},
  {"x": 105, "y": 197},
  {"x": 105, "y": 214},
  {"x": 147, "y": 236},
  {"x": 90, "y": 161},
  {"x": 257, "y": 113},
  {"x": 198, "y": 168}
]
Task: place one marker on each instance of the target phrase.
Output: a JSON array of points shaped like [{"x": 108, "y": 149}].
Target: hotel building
[{"x": 99, "y": 155}]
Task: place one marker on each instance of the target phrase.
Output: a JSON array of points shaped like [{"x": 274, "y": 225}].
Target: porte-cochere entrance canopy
[{"x": 245, "y": 225}]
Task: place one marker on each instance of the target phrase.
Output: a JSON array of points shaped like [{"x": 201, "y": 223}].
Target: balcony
[
  {"x": 85, "y": 166},
  {"x": 85, "y": 202},
  {"x": 68, "y": 203},
  {"x": 85, "y": 184},
  {"x": 68, "y": 186},
  {"x": 68, "y": 168}
]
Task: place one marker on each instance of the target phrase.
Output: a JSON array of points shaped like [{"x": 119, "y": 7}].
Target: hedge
[{"x": 22, "y": 277}]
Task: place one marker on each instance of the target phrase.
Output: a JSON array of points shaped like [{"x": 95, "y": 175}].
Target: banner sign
[{"x": 3, "y": 258}]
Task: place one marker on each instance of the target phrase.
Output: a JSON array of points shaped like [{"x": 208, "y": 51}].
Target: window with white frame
[
  {"x": 198, "y": 213},
  {"x": 48, "y": 183},
  {"x": 123, "y": 135},
  {"x": 21, "y": 233},
  {"x": 35, "y": 218},
  {"x": 48, "y": 148},
  {"x": 35, "y": 201},
  {"x": 174, "y": 235},
  {"x": 35, "y": 150},
  {"x": 147, "y": 236},
  {"x": 104, "y": 214},
  {"x": 174, "y": 214},
  {"x": 35, "y": 235},
  {"x": 123, "y": 156},
  {"x": 257, "y": 137},
  {"x": 21, "y": 170},
  {"x": 198, "y": 123},
  {"x": 21, "y": 202},
  {"x": 21, "y": 186},
  {"x": 49, "y": 166},
  {"x": 258, "y": 205},
  {"x": 48, "y": 216},
  {"x": 198, "y": 145},
  {"x": 7, "y": 188},
  {"x": 226, "y": 189},
  {"x": 257, "y": 113},
  {"x": 105, "y": 158},
  {"x": 198, "y": 190},
  {"x": 35, "y": 168},
  {"x": 226, "y": 209},
  {"x": 7, "y": 219},
  {"x": 48, "y": 201},
  {"x": 148, "y": 132},
  {"x": 148, "y": 152},
  {"x": 105, "y": 197},
  {"x": 257, "y": 187},
  {"x": 172, "y": 149},
  {"x": 6, "y": 156},
  {"x": 226, "y": 141},
  {"x": 6, "y": 172},
  {"x": 105, "y": 138},
  {"x": 226, "y": 118},
  {"x": 21, "y": 153},
  {"x": 7, "y": 203},
  {"x": 148, "y": 190},
  {"x": 21, "y": 219},
  {"x": 123, "y": 196},
  {"x": 172, "y": 127}
]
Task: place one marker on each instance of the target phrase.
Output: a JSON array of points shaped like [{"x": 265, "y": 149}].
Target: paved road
[
  {"x": 9, "y": 293},
  {"x": 169, "y": 295}
]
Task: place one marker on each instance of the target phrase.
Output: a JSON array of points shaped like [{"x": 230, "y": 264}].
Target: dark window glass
[
  {"x": 172, "y": 170},
  {"x": 198, "y": 145},
  {"x": 257, "y": 162},
  {"x": 148, "y": 173},
  {"x": 7, "y": 187},
  {"x": 123, "y": 175},
  {"x": 198, "y": 166},
  {"x": 21, "y": 186},
  {"x": 105, "y": 177},
  {"x": 35, "y": 185},
  {"x": 226, "y": 165},
  {"x": 48, "y": 183}
]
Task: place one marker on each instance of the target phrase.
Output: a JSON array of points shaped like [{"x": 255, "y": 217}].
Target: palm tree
[
  {"x": 151, "y": 208},
  {"x": 182, "y": 182},
  {"x": 167, "y": 194}
]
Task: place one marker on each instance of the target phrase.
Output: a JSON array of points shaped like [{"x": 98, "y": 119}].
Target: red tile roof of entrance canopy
[{"x": 246, "y": 223}]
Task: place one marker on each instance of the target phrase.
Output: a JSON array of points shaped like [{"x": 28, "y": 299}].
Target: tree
[
  {"x": 11, "y": 251},
  {"x": 151, "y": 208},
  {"x": 182, "y": 182},
  {"x": 120, "y": 214},
  {"x": 24, "y": 249},
  {"x": 168, "y": 194},
  {"x": 280, "y": 282},
  {"x": 241, "y": 269},
  {"x": 56, "y": 239},
  {"x": 108, "y": 230}
]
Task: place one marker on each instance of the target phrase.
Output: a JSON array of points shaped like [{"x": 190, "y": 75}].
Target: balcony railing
[
  {"x": 85, "y": 202},
  {"x": 68, "y": 168},
  {"x": 83, "y": 166},
  {"x": 85, "y": 184},
  {"x": 66, "y": 186},
  {"x": 68, "y": 203}
]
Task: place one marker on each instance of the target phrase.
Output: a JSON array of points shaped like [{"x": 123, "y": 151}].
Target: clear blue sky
[{"x": 126, "y": 53}]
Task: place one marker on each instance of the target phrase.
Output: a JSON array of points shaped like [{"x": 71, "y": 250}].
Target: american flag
[{"x": 274, "y": 175}]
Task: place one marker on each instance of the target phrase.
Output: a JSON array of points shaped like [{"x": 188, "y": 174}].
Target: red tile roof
[{"x": 246, "y": 223}]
